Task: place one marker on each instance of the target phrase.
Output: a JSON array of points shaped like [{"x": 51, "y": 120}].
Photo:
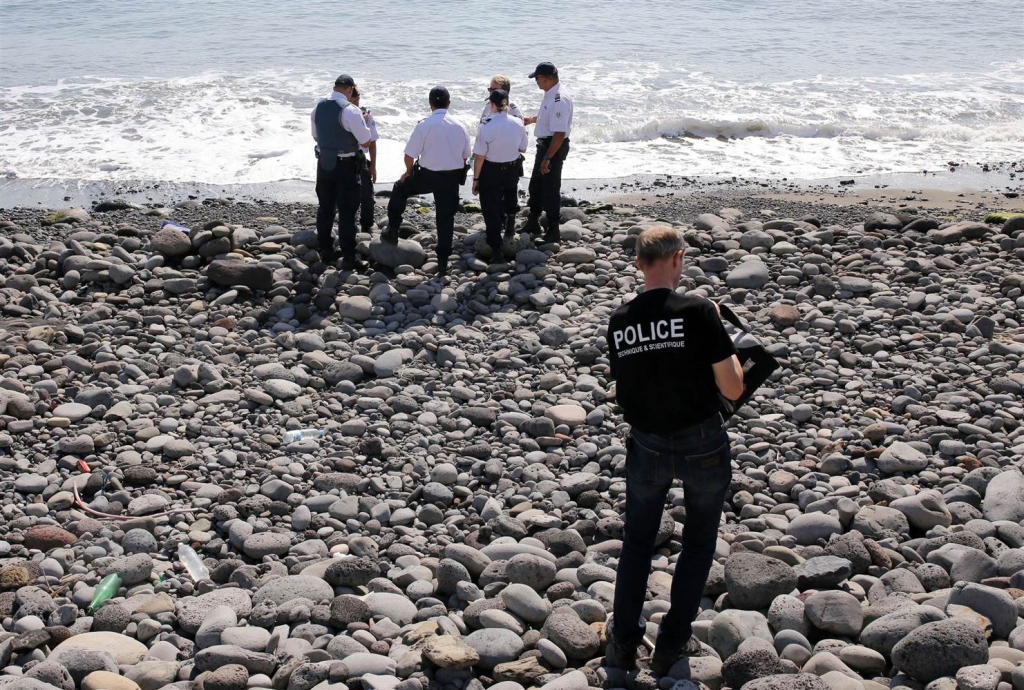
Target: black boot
[
  {"x": 532, "y": 225},
  {"x": 442, "y": 267},
  {"x": 510, "y": 227},
  {"x": 350, "y": 263},
  {"x": 552, "y": 237},
  {"x": 328, "y": 254},
  {"x": 497, "y": 255},
  {"x": 667, "y": 653},
  {"x": 619, "y": 654}
]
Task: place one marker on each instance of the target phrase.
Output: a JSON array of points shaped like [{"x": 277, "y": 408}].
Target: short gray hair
[{"x": 658, "y": 242}]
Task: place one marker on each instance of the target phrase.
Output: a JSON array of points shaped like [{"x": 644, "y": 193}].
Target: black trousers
[
  {"x": 546, "y": 190},
  {"x": 444, "y": 185},
  {"x": 499, "y": 197},
  {"x": 366, "y": 200},
  {"x": 338, "y": 193}
]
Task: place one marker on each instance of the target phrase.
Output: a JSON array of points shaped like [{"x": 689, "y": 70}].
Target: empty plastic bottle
[
  {"x": 302, "y": 435},
  {"x": 104, "y": 590},
  {"x": 192, "y": 562}
]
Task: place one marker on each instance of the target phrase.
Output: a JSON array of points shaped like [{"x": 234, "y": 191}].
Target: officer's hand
[
  {"x": 373, "y": 173},
  {"x": 476, "y": 188},
  {"x": 404, "y": 176},
  {"x": 529, "y": 120},
  {"x": 545, "y": 167}
]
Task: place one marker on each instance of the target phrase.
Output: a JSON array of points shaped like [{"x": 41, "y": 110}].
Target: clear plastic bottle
[
  {"x": 107, "y": 588},
  {"x": 302, "y": 435},
  {"x": 192, "y": 562}
]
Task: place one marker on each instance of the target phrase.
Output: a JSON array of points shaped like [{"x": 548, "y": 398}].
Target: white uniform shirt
[
  {"x": 513, "y": 110},
  {"x": 351, "y": 119},
  {"x": 372, "y": 124},
  {"x": 555, "y": 113},
  {"x": 501, "y": 138},
  {"x": 439, "y": 142}
]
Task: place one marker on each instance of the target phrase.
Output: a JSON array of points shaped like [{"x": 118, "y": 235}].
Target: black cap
[
  {"x": 498, "y": 97},
  {"x": 544, "y": 69},
  {"x": 439, "y": 97},
  {"x": 344, "y": 81}
]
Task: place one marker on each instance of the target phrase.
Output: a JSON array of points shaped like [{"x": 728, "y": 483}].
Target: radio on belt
[{"x": 758, "y": 364}]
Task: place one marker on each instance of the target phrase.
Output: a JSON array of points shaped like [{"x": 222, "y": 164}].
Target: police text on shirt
[{"x": 653, "y": 335}]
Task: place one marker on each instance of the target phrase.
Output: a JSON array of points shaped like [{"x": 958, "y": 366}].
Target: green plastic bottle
[{"x": 107, "y": 588}]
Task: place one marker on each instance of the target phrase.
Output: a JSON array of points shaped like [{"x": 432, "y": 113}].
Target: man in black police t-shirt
[{"x": 670, "y": 357}]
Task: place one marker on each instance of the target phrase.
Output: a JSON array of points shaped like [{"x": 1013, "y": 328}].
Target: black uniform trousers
[
  {"x": 444, "y": 184},
  {"x": 499, "y": 197},
  {"x": 546, "y": 190},
  {"x": 338, "y": 193},
  {"x": 366, "y": 200}
]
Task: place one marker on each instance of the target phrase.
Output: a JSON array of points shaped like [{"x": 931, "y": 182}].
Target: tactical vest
[{"x": 331, "y": 137}]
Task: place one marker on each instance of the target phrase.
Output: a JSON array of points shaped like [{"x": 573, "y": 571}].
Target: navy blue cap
[
  {"x": 544, "y": 69},
  {"x": 498, "y": 97}
]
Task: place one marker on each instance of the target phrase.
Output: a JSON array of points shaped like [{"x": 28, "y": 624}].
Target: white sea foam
[{"x": 631, "y": 118}]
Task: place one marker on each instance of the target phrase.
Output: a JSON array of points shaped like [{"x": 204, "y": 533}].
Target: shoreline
[{"x": 999, "y": 186}]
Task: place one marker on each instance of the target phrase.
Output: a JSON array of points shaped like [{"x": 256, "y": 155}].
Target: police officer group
[{"x": 436, "y": 158}]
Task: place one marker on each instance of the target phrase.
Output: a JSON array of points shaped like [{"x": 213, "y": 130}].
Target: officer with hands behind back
[
  {"x": 339, "y": 130},
  {"x": 435, "y": 161},
  {"x": 670, "y": 357},
  {"x": 497, "y": 162},
  {"x": 554, "y": 123}
]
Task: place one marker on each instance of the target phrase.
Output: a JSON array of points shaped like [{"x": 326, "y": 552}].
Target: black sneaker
[
  {"x": 618, "y": 654},
  {"x": 667, "y": 654},
  {"x": 352, "y": 264},
  {"x": 552, "y": 237},
  {"x": 442, "y": 268},
  {"x": 329, "y": 255},
  {"x": 510, "y": 227},
  {"x": 497, "y": 256},
  {"x": 389, "y": 237}
]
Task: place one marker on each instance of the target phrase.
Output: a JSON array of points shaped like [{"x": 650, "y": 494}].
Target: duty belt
[
  {"x": 712, "y": 423},
  {"x": 502, "y": 166}
]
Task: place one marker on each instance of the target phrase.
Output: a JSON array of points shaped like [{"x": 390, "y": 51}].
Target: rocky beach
[{"x": 458, "y": 523}]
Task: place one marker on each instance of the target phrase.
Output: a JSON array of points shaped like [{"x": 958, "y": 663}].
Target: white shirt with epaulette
[
  {"x": 555, "y": 113},
  {"x": 501, "y": 138},
  {"x": 439, "y": 142}
]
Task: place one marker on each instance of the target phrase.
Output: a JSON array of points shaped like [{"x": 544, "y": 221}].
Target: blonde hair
[
  {"x": 657, "y": 242},
  {"x": 503, "y": 82}
]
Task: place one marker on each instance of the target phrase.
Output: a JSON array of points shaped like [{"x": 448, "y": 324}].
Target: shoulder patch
[
  {"x": 558, "y": 97},
  {"x": 485, "y": 120}
]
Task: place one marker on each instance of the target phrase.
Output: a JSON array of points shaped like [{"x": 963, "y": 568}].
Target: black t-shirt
[{"x": 662, "y": 346}]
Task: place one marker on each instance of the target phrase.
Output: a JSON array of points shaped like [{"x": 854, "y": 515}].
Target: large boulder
[
  {"x": 751, "y": 274},
  {"x": 170, "y": 242},
  {"x": 753, "y": 580},
  {"x": 406, "y": 252},
  {"x": 230, "y": 273},
  {"x": 1004, "y": 497},
  {"x": 940, "y": 649}
]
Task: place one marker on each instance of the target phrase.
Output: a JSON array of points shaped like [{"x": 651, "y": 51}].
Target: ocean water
[{"x": 219, "y": 92}]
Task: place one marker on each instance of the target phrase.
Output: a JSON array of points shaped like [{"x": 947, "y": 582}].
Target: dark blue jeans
[{"x": 702, "y": 462}]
